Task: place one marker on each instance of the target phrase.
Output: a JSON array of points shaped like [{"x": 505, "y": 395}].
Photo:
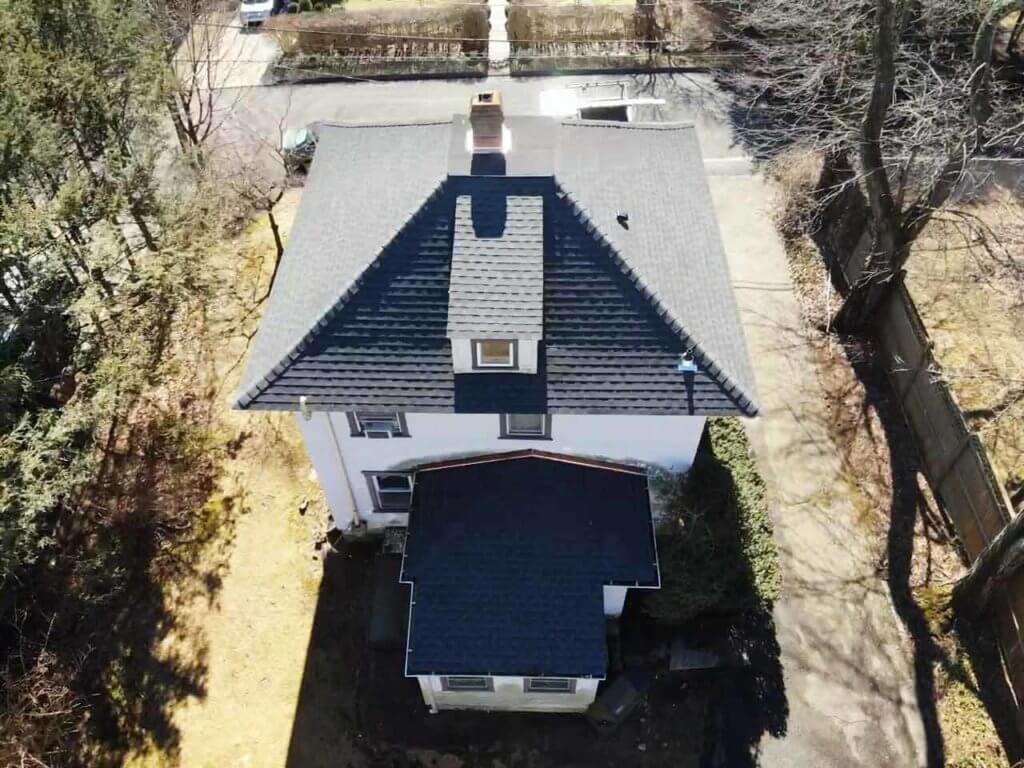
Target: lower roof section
[{"x": 508, "y": 557}]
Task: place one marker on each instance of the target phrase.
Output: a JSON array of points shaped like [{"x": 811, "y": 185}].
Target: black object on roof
[
  {"x": 358, "y": 314},
  {"x": 508, "y": 558}
]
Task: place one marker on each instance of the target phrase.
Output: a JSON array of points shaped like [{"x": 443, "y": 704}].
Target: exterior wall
[
  {"x": 665, "y": 441},
  {"x": 508, "y": 696},
  {"x": 614, "y": 599},
  {"x": 321, "y": 436}
]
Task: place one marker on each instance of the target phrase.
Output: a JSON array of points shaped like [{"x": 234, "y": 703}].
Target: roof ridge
[
  {"x": 247, "y": 393},
  {"x": 744, "y": 400}
]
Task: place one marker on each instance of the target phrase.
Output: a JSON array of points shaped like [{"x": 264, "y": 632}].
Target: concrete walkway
[
  {"x": 498, "y": 47},
  {"x": 846, "y": 662}
]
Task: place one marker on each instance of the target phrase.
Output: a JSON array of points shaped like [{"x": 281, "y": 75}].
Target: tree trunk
[
  {"x": 140, "y": 222},
  {"x": 277, "y": 240},
  {"x": 997, "y": 562}
]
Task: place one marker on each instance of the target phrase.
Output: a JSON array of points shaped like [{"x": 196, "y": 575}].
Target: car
[
  {"x": 297, "y": 148},
  {"x": 253, "y": 12},
  {"x": 602, "y": 100}
]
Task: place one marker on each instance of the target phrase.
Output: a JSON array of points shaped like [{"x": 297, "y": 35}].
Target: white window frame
[
  {"x": 513, "y": 355},
  {"x": 377, "y": 424},
  {"x": 486, "y": 683},
  {"x": 541, "y": 682},
  {"x": 378, "y": 494},
  {"x": 507, "y": 433}
]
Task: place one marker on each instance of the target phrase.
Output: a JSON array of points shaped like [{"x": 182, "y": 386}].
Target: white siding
[
  {"x": 614, "y": 599},
  {"x": 508, "y": 695},
  {"x": 664, "y": 441},
  {"x": 322, "y": 444}
]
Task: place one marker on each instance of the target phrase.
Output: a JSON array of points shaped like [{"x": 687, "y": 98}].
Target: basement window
[
  {"x": 466, "y": 683},
  {"x": 549, "y": 685},
  {"x": 494, "y": 353},
  {"x": 391, "y": 491},
  {"x": 525, "y": 426}
]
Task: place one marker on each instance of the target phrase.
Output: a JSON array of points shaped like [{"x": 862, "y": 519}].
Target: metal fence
[{"x": 955, "y": 462}]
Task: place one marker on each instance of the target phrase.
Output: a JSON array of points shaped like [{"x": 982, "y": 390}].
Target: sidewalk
[{"x": 846, "y": 662}]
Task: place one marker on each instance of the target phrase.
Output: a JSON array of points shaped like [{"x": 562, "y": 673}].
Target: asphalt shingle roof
[
  {"x": 487, "y": 541},
  {"x": 367, "y": 276},
  {"x": 496, "y": 285}
]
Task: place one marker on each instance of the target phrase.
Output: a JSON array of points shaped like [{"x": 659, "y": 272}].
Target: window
[
  {"x": 549, "y": 685},
  {"x": 391, "y": 491},
  {"x": 520, "y": 426},
  {"x": 463, "y": 683},
  {"x": 377, "y": 424},
  {"x": 494, "y": 353}
]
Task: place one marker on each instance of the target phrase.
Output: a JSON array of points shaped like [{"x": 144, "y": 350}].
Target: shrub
[
  {"x": 319, "y": 6},
  {"x": 716, "y": 551},
  {"x": 293, "y": 7},
  {"x": 305, "y": 5}
]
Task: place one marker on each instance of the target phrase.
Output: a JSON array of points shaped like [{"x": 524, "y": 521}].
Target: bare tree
[{"x": 902, "y": 92}]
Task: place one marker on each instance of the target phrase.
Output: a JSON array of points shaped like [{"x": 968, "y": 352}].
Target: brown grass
[{"x": 967, "y": 279}]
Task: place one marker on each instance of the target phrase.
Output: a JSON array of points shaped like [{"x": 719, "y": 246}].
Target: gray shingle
[
  {"x": 654, "y": 174},
  {"x": 622, "y": 299},
  {"x": 496, "y": 286},
  {"x": 365, "y": 183}
]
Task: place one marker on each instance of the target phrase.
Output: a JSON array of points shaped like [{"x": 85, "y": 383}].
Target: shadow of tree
[
  {"x": 907, "y": 509},
  {"x": 145, "y": 540}
]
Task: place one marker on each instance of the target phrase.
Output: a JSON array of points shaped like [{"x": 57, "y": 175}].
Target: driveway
[{"x": 846, "y": 662}]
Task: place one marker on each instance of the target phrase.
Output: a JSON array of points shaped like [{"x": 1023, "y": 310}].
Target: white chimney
[{"x": 487, "y": 122}]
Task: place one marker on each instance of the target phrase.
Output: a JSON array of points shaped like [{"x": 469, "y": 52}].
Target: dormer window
[{"x": 494, "y": 353}]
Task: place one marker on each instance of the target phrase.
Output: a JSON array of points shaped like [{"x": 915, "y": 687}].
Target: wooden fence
[{"x": 955, "y": 462}]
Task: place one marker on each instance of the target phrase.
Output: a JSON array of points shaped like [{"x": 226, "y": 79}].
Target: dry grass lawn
[
  {"x": 249, "y": 634},
  {"x": 967, "y": 279}
]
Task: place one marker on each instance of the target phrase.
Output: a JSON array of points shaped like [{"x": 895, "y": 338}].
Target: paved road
[
  {"x": 254, "y": 118},
  {"x": 848, "y": 677}
]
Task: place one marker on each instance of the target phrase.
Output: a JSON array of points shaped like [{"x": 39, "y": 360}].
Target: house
[{"x": 491, "y": 330}]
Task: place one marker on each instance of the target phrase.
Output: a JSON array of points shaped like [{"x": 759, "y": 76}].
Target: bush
[
  {"x": 305, "y": 5},
  {"x": 716, "y": 551},
  {"x": 319, "y": 7},
  {"x": 293, "y": 7}
]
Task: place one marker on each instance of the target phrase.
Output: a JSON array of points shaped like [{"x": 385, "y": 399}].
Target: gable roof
[{"x": 668, "y": 255}]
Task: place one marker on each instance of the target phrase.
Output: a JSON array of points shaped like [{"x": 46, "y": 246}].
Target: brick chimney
[{"x": 487, "y": 122}]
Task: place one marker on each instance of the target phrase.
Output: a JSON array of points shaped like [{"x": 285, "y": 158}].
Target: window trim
[
  {"x": 478, "y": 366},
  {"x": 504, "y": 433},
  {"x": 488, "y": 683},
  {"x": 356, "y": 428},
  {"x": 375, "y": 492},
  {"x": 570, "y": 688}
]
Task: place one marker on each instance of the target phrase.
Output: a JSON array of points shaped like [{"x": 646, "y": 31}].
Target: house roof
[
  {"x": 496, "y": 283},
  {"x": 359, "y": 314},
  {"x": 487, "y": 540}
]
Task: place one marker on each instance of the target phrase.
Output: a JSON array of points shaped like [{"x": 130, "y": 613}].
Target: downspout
[{"x": 307, "y": 414}]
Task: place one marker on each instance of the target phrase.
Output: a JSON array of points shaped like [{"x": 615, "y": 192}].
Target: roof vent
[{"x": 487, "y": 122}]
